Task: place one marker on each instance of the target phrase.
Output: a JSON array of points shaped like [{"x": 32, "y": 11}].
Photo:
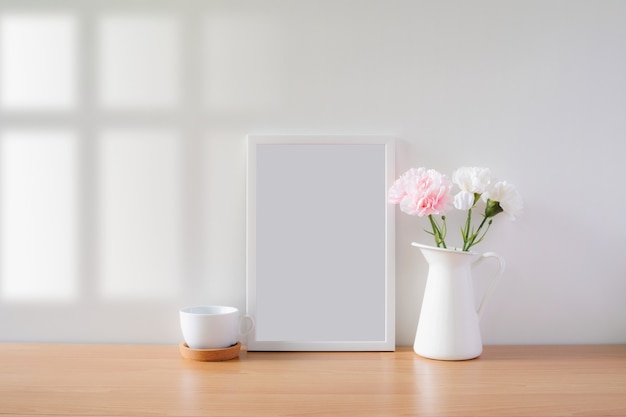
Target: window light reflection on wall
[
  {"x": 38, "y": 56},
  {"x": 38, "y": 215},
  {"x": 133, "y": 176}
]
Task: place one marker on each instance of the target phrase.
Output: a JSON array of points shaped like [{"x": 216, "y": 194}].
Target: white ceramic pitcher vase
[{"x": 448, "y": 327}]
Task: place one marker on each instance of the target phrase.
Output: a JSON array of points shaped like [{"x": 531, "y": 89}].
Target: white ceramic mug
[{"x": 213, "y": 327}]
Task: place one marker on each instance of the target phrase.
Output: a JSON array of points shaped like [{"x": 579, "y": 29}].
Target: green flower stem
[
  {"x": 465, "y": 231},
  {"x": 438, "y": 232},
  {"x": 471, "y": 241}
]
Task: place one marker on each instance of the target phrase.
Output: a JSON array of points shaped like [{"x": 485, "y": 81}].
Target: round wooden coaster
[{"x": 210, "y": 355}]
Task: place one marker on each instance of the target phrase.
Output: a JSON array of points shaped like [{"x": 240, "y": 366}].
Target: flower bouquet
[{"x": 427, "y": 192}]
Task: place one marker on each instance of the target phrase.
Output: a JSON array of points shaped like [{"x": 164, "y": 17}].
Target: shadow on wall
[{"x": 104, "y": 111}]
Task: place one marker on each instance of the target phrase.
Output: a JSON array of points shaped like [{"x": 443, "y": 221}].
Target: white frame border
[{"x": 388, "y": 344}]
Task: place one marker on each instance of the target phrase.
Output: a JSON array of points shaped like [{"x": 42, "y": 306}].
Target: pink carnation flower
[{"x": 421, "y": 192}]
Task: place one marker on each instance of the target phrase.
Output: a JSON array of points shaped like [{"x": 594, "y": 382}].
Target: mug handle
[
  {"x": 494, "y": 280},
  {"x": 250, "y": 325}
]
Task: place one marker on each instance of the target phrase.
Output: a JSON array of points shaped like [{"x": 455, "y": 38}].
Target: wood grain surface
[{"x": 144, "y": 380}]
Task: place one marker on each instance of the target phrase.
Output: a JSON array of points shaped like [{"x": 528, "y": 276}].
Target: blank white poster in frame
[{"x": 320, "y": 243}]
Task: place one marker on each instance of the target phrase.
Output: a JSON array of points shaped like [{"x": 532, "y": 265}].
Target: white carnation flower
[
  {"x": 464, "y": 200},
  {"x": 507, "y": 196},
  {"x": 474, "y": 180}
]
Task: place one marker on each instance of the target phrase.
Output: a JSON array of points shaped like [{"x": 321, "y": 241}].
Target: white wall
[{"x": 535, "y": 90}]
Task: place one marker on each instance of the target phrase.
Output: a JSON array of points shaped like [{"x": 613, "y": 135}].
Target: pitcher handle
[{"x": 494, "y": 280}]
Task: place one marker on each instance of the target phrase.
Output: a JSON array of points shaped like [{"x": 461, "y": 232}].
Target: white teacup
[{"x": 213, "y": 327}]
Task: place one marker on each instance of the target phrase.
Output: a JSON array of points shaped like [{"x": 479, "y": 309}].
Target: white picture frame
[{"x": 320, "y": 243}]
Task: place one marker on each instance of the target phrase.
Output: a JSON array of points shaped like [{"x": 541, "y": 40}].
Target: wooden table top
[{"x": 145, "y": 380}]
